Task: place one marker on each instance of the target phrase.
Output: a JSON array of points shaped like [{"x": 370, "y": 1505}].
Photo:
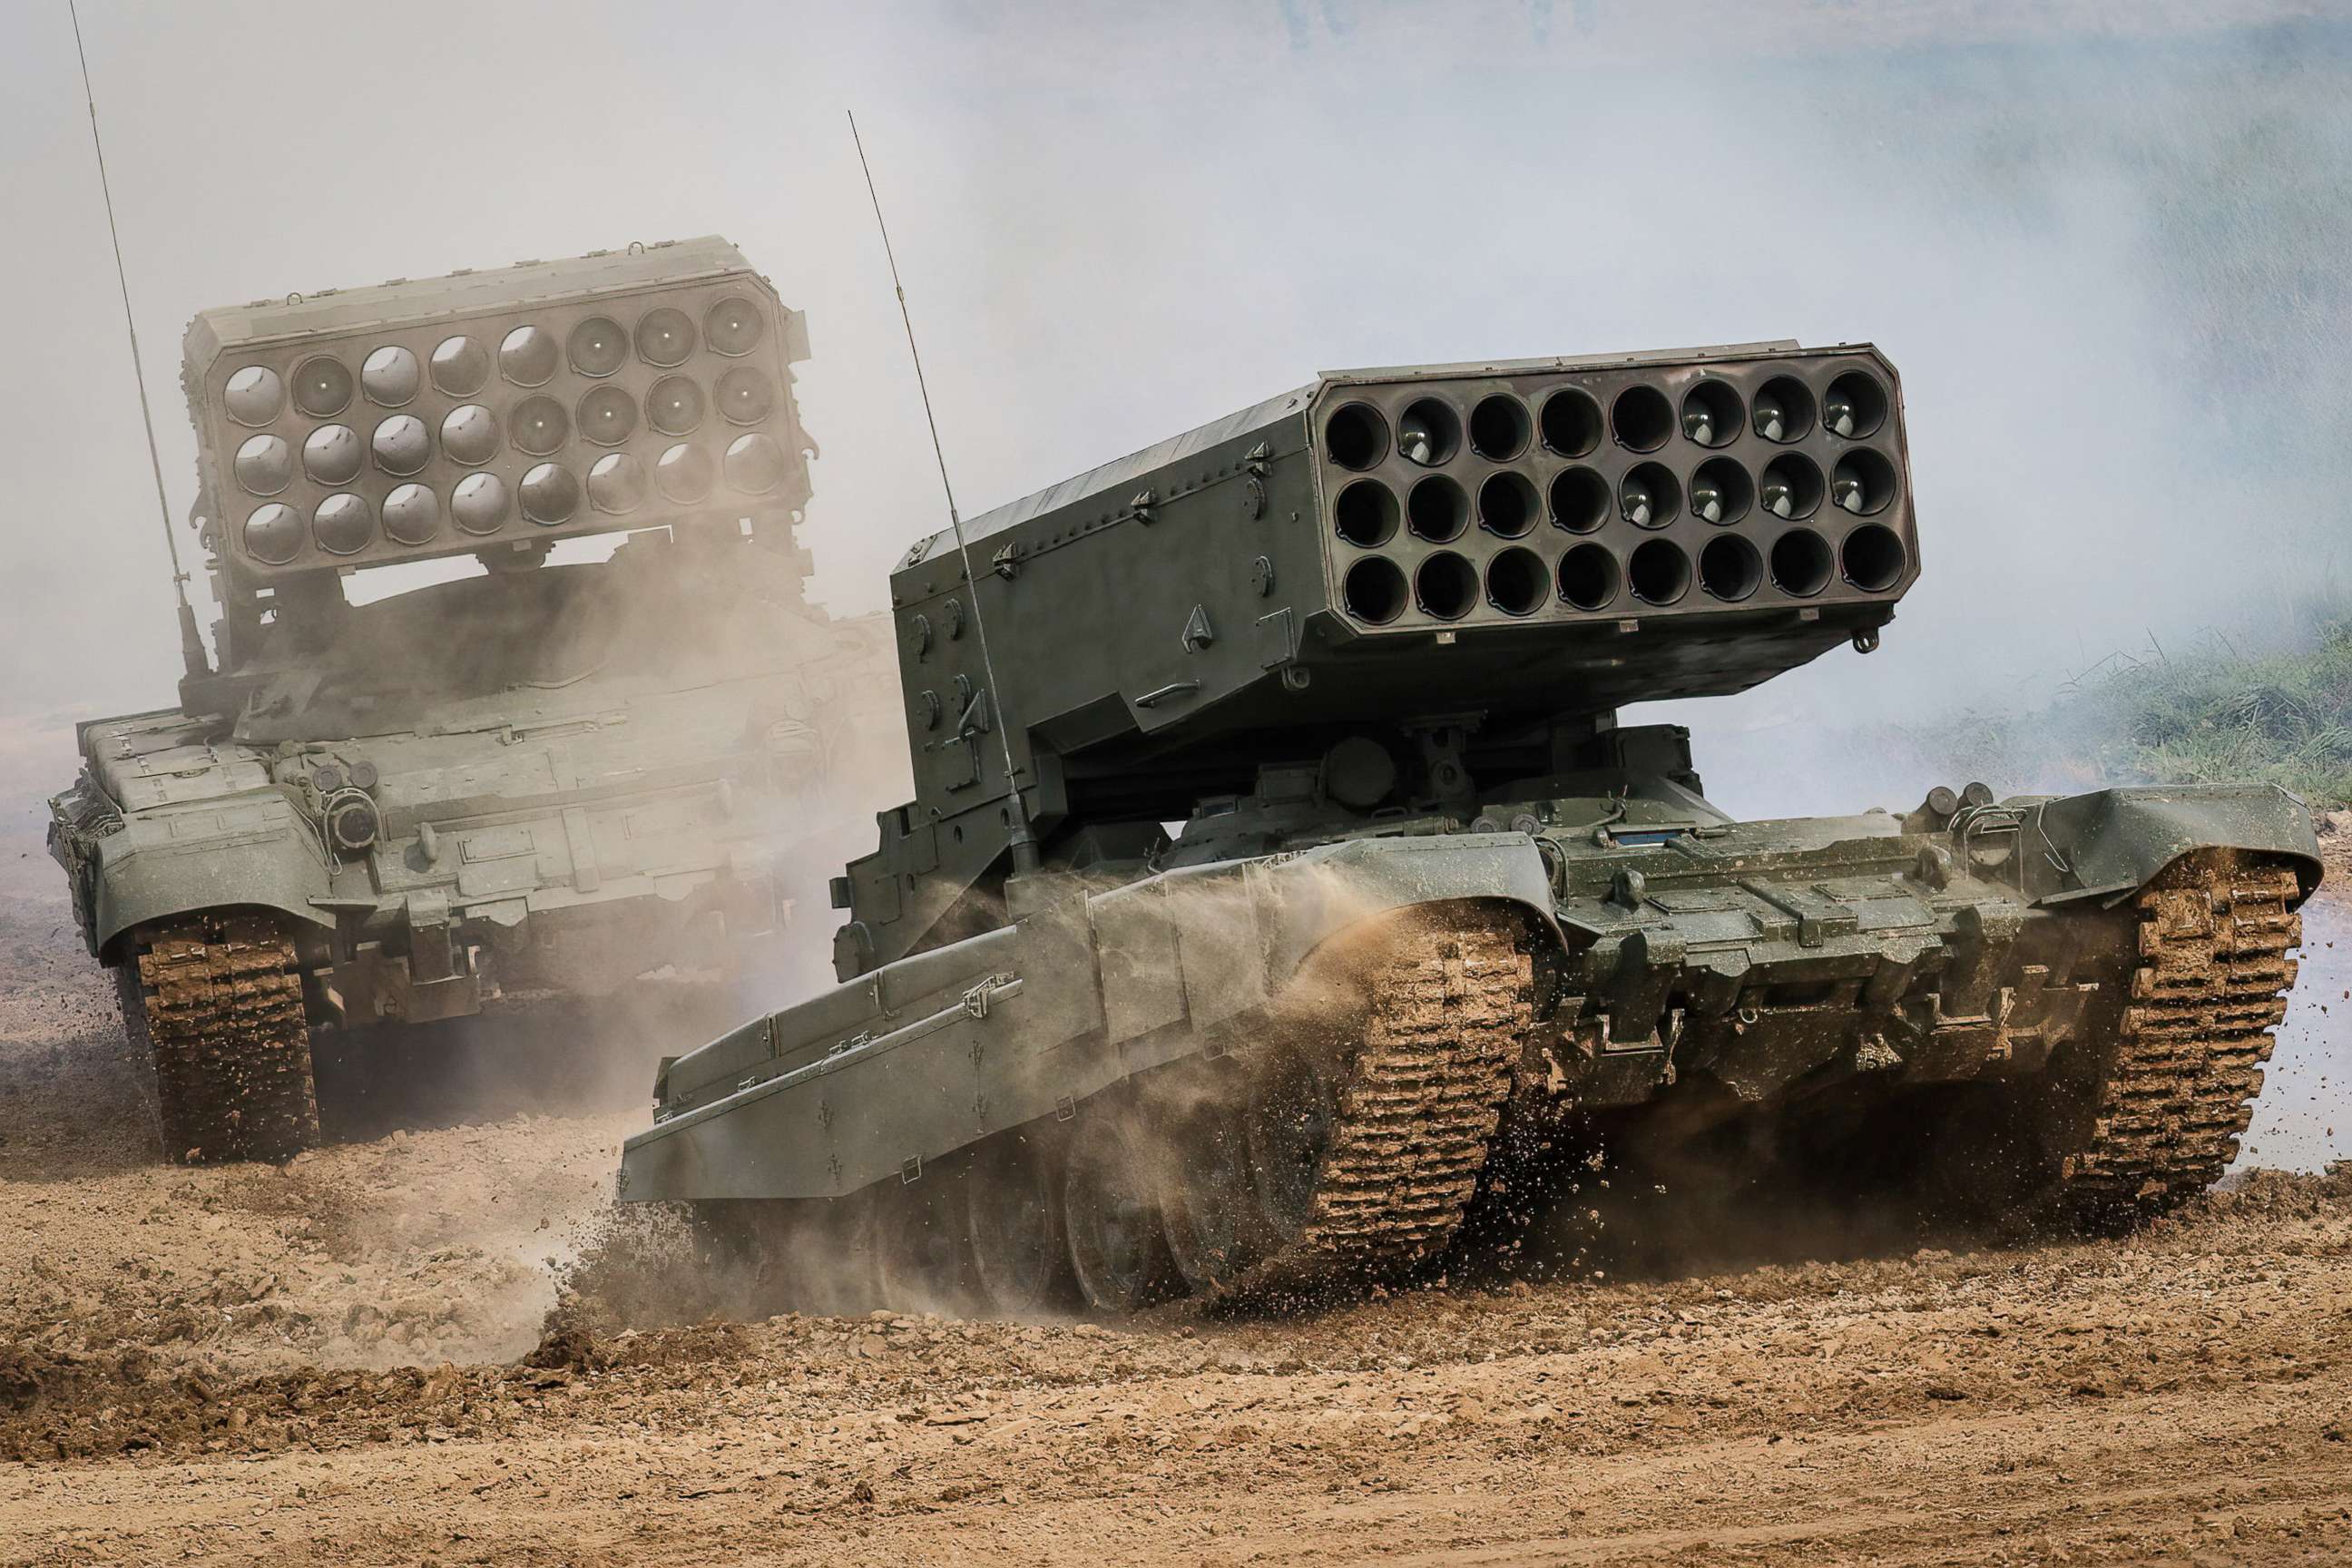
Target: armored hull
[
  {"x": 1326, "y": 906},
  {"x": 1295, "y": 1072},
  {"x": 539, "y": 845}
]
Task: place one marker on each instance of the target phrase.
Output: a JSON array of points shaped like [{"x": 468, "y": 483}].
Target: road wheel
[
  {"x": 920, "y": 1261},
  {"x": 1020, "y": 1259},
  {"x": 1286, "y": 1130},
  {"x": 1110, "y": 1204},
  {"x": 1210, "y": 1201}
]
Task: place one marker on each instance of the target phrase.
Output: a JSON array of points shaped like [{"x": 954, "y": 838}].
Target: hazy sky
[{"x": 2107, "y": 245}]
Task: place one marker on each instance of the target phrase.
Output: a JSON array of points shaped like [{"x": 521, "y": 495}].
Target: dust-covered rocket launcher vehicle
[
  {"x": 1429, "y": 910},
  {"x": 526, "y": 785}
]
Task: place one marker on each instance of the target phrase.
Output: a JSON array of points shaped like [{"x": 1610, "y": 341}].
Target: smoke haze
[{"x": 2105, "y": 243}]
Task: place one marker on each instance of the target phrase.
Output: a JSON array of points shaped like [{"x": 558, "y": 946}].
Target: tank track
[
  {"x": 2199, "y": 1026},
  {"x": 218, "y": 999},
  {"x": 1417, "y": 1114}
]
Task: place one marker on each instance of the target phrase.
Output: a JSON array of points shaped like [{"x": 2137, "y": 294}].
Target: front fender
[
  {"x": 2112, "y": 842},
  {"x": 250, "y": 853},
  {"x": 1318, "y": 894},
  {"x": 930, "y": 1053},
  {"x": 1207, "y": 943}
]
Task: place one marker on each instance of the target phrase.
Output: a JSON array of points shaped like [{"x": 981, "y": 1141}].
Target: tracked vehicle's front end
[{"x": 517, "y": 784}]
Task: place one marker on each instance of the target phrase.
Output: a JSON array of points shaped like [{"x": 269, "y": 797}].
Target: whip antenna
[
  {"x": 191, "y": 646},
  {"x": 1024, "y": 843}
]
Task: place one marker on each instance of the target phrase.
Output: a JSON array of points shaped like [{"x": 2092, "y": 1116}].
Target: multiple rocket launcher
[
  {"x": 495, "y": 410},
  {"x": 1275, "y": 844}
]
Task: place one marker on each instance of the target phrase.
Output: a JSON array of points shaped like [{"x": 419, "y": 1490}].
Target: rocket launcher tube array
[
  {"x": 502, "y": 408},
  {"x": 1526, "y": 541}
]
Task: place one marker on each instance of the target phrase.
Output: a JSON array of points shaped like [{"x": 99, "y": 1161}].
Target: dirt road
[
  {"x": 331, "y": 1362},
  {"x": 2184, "y": 1397}
]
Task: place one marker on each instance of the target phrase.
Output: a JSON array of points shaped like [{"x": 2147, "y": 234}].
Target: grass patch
[{"x": 2214, "y": 711}]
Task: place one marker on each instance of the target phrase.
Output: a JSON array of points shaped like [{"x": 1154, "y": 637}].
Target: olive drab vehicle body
[
  {"x": 502, "y": 789},
  {"x": 1278, "y": 883}
]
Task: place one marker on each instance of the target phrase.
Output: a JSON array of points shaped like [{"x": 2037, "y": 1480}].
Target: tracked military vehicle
[
  {"x": 536, "y": 782},
  {"x": 1279, "y": 885}
]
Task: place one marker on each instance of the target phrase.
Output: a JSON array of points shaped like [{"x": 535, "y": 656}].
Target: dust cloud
[{"x": 668, "y": 654}]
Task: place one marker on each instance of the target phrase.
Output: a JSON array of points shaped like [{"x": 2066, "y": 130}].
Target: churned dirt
[{"x": 348, "y": 1359}]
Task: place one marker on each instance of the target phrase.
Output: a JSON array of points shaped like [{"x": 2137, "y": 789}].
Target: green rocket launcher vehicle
[
  {"x": 513, "y": 785},
  {"x": 1278, "y": 880}
]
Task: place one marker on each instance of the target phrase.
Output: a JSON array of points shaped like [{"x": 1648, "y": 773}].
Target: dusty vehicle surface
[
  {"x": 540, "y": 781},
  {"x": 1280, "y": 891}
]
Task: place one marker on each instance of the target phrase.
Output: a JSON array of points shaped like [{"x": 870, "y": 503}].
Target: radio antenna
[
  {"x": 1024, "y": 842},
  {"x": 191, "y": 646}
]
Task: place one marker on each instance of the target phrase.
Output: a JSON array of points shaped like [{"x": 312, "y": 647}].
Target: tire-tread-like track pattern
[
  {"x": 218, "y": 999},
  {"x": 1417, "y": 1110},
  {"x": 2205, "y": 999}
]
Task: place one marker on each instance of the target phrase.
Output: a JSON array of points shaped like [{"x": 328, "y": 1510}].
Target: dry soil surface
[{"x": 335, "y": 1361}]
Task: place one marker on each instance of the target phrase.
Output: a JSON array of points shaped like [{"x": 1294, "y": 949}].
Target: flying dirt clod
[
  {"x": 506, "y": 793},
  {"x": 1279, "y": 889}
]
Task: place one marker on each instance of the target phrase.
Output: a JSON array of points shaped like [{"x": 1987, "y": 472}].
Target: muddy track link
[
  {"x": 218, "y": 999},
  {"x": 1417, "y": 1110},
  {"x": 2204, "y": 1003}
]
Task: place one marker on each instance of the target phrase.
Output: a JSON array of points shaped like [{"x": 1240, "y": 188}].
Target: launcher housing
[{"x": 492, "y": 413}]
